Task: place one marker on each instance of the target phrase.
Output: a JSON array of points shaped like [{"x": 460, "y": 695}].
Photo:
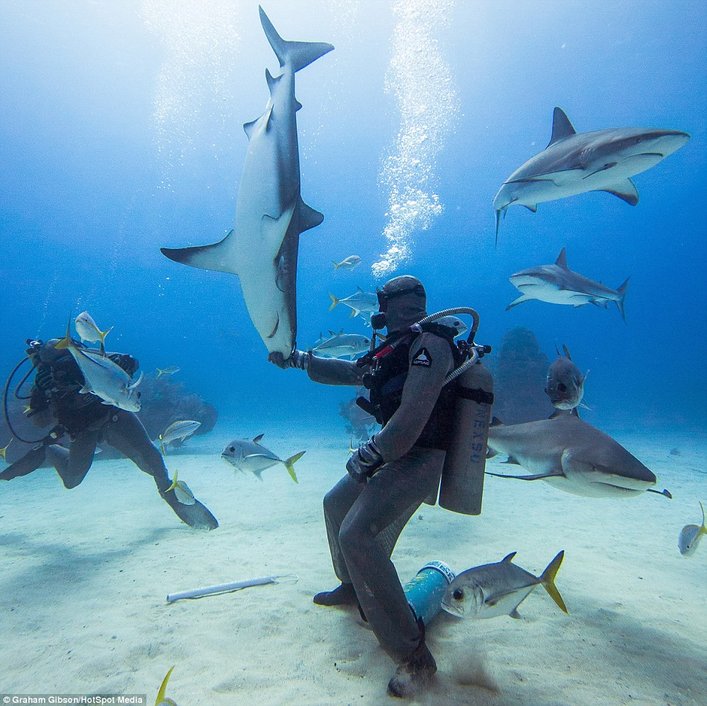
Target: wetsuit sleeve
[
  {"x": 430, "y": 361},
  {"x": 332, "y": 371}
]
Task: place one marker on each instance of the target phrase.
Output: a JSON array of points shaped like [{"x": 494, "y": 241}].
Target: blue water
[{"x": 120, "y": 132}]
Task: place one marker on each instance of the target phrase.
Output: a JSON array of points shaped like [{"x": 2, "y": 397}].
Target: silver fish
[
  {"x": 359, "y": 302},
  {"x": 565, "y": 383},
  {"x": 498, "y": 589},
  {"x": 178, "y": 430},
  {"x": 170, "y": 370},
  {"x": 252, "y": 457},
  {"x": 557, "y": 284},
  {"x": 343, "y": 345},
  {"x": 103, "y": 377},
  {"x": 88, "y": 330},
  {"x": 574, "y": 163},
  {"x": 348, "y": 263},
  {"x": 690, "y": 536},
  {"x": 453, "y": 322}
]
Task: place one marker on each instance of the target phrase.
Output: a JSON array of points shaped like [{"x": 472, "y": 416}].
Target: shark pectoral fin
[
  {"x": 512, "y": 460},
  {"x": 531, "y": 207},
  {"x": 626, "y": 190},
  {"x": 536, "y": 476},
  {"x": 515, "y": 614},
  {"x": 308, "y": 217},
  {"x": 522, "y": 298},
  {"x": 274, "y": 228},
  {"x": 217, "y": 256}
]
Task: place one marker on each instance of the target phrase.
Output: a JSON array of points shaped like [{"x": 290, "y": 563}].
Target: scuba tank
[{"x": 462, "y": 482}]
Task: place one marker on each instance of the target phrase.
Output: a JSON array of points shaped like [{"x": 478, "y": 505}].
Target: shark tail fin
[
  {"x": 296, "y": 54},
  {"x": 622, "y": 294},
  {"x": 290, "y": 465},
  {"x": 205, "y": 257},
  {"x": 548, "y": 580}
]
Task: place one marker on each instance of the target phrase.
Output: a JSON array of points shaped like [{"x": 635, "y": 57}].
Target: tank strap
[{"x": 475, "y": 394}]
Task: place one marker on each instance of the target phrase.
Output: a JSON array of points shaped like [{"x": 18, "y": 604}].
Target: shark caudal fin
[
  {"x": 548, "y": 580},
  {"x": 205, "y": 257},
  {"x": 622, "y": 294},
  {"x": 294, "y": 54},
  {"x": 290, "y": 465}
]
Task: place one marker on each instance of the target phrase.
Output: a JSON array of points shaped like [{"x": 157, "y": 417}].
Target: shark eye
[{"x": 458, "y": 594}]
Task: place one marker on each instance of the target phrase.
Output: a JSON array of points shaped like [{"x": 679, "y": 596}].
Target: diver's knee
[{"x": 73, "y": 481}]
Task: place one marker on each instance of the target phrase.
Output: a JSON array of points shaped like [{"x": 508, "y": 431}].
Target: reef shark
[
  {"x": 263, "y": 246},
  {"x": 573, "y": 456},
  {"x": 557, "y": 284},
  {"x": 574, "y": 163}
]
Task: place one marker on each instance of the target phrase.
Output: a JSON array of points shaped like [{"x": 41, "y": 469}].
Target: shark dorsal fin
[
  {"x": 258, "y": 438},
  {"x": 567, "y": 351},
  {"x": 562, "y": 260},
  {"x": 561, "y": 126},
  {"x": 508, "y": 558}
]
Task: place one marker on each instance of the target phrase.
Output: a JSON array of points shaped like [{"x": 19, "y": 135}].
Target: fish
[
  {"x": 557, "y": 284},
  {"x": 348, "y": 263},
  {"x": 498, "y": 589},
  {"x": 359, "y": 302},
  {"x": 88, "y": 330},
  {"x": 343, "y": 345},
  {"x": 573, "y": 456},
  {"x": 253, "y": 457},
  {"x": 171, "y": 370},
  {"x": 102, "y": 377},
  {"x": 181, "y": 490},
  {"x": 3, "y": 450},
  {"x": 690, "y": 536},
  {"x": 161, "y": 699},
  {"x": 452, "y": 322},
  {"x": 262, "y": 248},
  {"x": 180, "y": 429},
  {"x": 565, "y": 383},
  {"x": 574, "y": 163}
]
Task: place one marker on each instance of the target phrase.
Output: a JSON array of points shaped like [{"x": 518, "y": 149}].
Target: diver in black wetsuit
[
  {"x": 55, "y": 400},
  {"x": 390, "y": 475}
]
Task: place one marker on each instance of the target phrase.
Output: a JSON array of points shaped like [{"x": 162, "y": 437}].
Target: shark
[
  {"x": 557, "y": 284},
  {"x": 573, "y": 456},
  {"x": 574, "y": 163},
  {"x": 565, "y": 383},
  {"x": 262, "y": 248}
]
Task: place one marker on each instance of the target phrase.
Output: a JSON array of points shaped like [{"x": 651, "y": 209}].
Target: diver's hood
[{"x": 404, "y": 302}]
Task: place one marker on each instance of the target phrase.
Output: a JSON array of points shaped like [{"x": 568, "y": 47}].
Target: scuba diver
[
  {"x": 391, "y": 474},
  {"x": 56, "y": 400}
]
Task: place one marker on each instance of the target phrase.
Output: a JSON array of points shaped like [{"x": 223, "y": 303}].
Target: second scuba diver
[{"x": 55, "y": 400}]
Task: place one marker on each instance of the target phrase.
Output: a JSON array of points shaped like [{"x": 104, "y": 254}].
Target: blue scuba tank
[{"x": 425, "y": 591}]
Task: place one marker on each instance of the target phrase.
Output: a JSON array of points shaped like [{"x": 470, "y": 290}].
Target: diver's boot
[
  {"x": 30, "y": 462},
  {"x": 196, "y": 515},
  {"x": 343, "y": 594},
  {"x": 415, "y": 672}
]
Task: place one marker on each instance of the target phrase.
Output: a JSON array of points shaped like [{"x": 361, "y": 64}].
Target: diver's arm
[
  {"x": 422, "y": 387},
  {"x": 332, "y": 371}
]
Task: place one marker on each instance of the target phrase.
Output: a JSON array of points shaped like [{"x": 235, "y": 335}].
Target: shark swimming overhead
[
  {"x": 557, "y": 284},
  {"x": 574, "y": 163},
  {"x": 263, "y": 246},
  {"x": 573, "y": 456}
]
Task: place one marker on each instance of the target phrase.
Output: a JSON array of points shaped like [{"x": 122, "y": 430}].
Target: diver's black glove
[
  {"x": 365, "y": 461},
  {"x": 297, "y": 359},
  {"x": 44, "y": 378}
]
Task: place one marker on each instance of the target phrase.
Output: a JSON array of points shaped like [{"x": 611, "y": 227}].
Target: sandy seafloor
[{"x": 84, "y": 575}]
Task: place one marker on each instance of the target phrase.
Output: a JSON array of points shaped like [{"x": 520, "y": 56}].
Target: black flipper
[{"x": 31, "y": 461}]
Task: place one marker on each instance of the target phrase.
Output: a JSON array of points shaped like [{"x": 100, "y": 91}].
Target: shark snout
[{"x": 661, "y": 143}]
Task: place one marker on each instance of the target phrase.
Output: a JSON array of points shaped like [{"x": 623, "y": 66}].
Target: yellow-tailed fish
[
  {"x": 253, "y": 457},
  {"x": 181, "y": 490},
  {"x": 3, "y": 450},
  {"x": 88, "y": 330},
  {"x": 690, "y": 536},
  {"x": 181, "y": 429},
  {"x": 168, "y": 371},
  {"x": 161, "y": 699}
]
